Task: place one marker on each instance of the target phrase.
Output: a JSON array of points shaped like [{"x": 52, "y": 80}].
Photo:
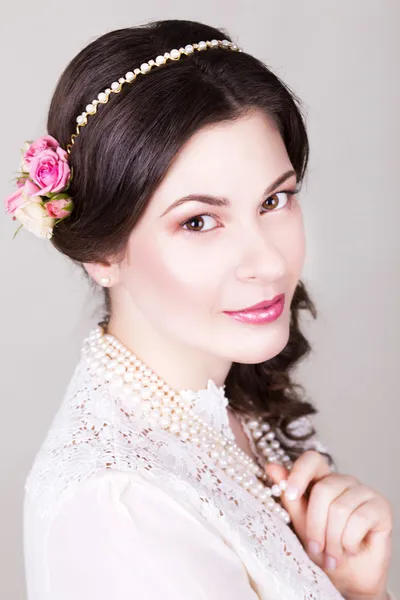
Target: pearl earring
[{"x": 105, "y": 281}]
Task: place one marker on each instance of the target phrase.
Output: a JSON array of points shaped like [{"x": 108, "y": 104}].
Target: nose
[{"x": 260, "y": 257}]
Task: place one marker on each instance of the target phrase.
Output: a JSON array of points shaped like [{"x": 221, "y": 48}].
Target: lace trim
[{"x": 212, "y": 405}]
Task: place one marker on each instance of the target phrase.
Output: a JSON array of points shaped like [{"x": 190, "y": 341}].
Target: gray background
[{"x": 342, "y": 59}]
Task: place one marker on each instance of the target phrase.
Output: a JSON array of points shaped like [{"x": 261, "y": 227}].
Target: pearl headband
[{"x": 116, "y": 86}]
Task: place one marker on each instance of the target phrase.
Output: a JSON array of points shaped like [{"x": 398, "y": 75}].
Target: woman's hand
[{"x": 350, "y": 522}]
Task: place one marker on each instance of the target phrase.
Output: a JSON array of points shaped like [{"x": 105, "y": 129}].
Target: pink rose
[
  {"x": 50, "y": 170},
  {"x": 38, "y": 146},
  {"x": 59, "y": 209},
  {"x": 22, "y": 195}
]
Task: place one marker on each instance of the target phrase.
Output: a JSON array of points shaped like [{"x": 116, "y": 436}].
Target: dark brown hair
[{"x": 124, "y": 152}]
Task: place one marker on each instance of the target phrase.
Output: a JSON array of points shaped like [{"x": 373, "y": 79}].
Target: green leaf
[
  {"x": 59, "y": 196},
  {"x": 61, "y": 219},
  {"x": 17, "y": 231},
  {"x": 69, "y": 181}
]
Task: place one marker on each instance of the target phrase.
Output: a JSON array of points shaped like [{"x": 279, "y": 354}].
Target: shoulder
[
  {"x": 114, "y": 496},
  {"x": 86, "y": 438}
]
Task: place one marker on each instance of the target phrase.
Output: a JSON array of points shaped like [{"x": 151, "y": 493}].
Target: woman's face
[{"x": 178, "y": 279}]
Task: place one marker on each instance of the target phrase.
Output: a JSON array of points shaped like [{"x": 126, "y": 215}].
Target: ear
[{"x": 104, "y": 274}]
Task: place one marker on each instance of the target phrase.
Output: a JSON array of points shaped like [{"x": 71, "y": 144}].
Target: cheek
[
  {"x": 292, "y": 244},
  {"x": 297, "y": 251},
  {"x": 171, "y": 277}
]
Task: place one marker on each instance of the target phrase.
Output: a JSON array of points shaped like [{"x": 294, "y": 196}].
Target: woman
[{"x": 170, "y": 468}]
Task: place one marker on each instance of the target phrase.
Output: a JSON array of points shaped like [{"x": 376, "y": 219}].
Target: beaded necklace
[{"x": 174, "y": 412}]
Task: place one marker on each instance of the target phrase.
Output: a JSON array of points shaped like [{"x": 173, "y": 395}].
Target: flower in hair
[{"x": 41, "y": 201}]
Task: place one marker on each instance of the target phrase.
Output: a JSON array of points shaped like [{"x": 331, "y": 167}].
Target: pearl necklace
[
  {"x": 264, "y": 442},
  {"x": 112, "y": 362}
]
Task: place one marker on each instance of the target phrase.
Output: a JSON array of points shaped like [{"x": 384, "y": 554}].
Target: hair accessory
[
  {"x": 104, "y": 281},
  {"x": 41, "y": 201},
  {"x": 130, "y": 76}
]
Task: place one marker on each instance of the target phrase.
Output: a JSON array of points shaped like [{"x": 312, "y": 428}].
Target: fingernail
[
  {"x": 314, "y": 547},
  {"x": 330, "y": 563},
  {"x": 291, "y": 492}
]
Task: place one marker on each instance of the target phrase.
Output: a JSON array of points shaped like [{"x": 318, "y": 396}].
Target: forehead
[{"x": 232, "y": 158}]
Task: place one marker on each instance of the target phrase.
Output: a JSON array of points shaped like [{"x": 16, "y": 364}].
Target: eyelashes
[{"x": 288, "y": 206}]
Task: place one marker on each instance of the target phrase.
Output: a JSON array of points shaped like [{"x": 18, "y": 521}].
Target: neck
[{"x": 180, "y": 365}]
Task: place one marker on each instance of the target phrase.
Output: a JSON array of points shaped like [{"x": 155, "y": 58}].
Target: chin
[{"x": 262, "y": 345}]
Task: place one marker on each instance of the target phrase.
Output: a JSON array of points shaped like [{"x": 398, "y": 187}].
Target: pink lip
[
  {"x": 263, "y": 312},
  {"x": 263, "y": 304}
]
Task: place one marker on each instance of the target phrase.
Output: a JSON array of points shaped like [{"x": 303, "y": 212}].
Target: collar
[{"x": 211, "y": 404}]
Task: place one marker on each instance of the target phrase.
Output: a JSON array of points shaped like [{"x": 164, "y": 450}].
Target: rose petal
[{"x": 13, "y": 201}]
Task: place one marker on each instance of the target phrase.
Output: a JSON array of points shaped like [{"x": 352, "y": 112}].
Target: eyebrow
[{"x": 221, "y": 200}]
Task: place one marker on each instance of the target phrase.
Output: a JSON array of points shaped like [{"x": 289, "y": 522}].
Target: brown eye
[
  {"x": 273, "y": 201},
  {"x": 196, "y": 224}
]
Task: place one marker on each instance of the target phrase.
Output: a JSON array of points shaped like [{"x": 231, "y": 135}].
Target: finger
[
  {"x": 323, "y": 493},
  {"x": 295, "y": 508},
  {"x": 276, "y": 471},
  {"x": 370, "y": 518},
  {"x": 310, "y": 466},
  {"x": 339, "y": 513}
]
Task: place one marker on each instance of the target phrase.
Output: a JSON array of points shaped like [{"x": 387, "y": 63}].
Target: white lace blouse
[{"x": 115, "y": 510}]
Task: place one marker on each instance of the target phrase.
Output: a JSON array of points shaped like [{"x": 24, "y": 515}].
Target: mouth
[{"x": 264, "y": 304}]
